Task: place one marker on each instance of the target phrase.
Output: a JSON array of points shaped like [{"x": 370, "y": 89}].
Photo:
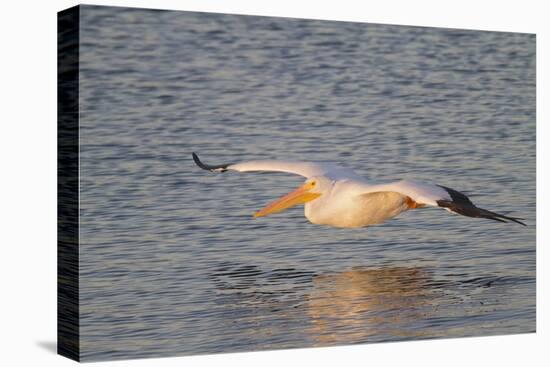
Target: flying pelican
[{"x": 338, "y": 197}]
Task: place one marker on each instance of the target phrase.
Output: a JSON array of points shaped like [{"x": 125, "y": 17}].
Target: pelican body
[{"x": 336, "y": 196}]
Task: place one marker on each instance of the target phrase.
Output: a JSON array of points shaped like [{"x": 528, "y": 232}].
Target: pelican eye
[{"x": 313, "y": 183}]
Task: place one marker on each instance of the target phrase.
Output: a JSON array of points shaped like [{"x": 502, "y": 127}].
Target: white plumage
[{"x": 338, "y": 197}]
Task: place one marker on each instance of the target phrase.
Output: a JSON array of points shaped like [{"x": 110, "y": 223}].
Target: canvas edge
[{"x": 68, "y": 315}]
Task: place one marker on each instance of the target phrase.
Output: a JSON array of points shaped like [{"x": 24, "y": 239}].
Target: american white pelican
[{"x": 338, "y": 197}]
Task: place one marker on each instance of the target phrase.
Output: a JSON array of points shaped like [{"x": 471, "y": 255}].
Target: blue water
[{"x": 172, "y": 262}]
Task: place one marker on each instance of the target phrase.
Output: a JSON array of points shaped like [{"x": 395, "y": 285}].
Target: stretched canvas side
[{"x": 67, "y": 186}]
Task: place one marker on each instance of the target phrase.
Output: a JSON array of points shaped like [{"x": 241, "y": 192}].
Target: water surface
[{"x": 172, "y": 262}]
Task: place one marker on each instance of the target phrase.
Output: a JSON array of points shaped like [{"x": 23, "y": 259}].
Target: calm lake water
[{"x": 172, "y": 262}]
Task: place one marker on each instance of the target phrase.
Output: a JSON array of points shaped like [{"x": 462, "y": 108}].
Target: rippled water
[{"x": 172, "y": 261}]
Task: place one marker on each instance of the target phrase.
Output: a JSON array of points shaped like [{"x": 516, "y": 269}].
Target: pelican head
[{"x": 308, "y": 191}]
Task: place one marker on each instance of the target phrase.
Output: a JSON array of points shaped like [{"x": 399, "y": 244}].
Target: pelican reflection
[
  {"x": 353, "y": 306},
  {"x": 368, "y": 304}
]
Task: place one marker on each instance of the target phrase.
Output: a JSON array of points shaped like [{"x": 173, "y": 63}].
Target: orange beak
[{"x": 299, "y": 196}]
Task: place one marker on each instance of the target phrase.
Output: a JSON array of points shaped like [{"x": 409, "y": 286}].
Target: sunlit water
[{"x": 172, "y": 262}]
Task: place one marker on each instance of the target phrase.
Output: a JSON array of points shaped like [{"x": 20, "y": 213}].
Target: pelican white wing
[
  {"x": 418, "y": 194},
  {"x": 305, "y": 169}
]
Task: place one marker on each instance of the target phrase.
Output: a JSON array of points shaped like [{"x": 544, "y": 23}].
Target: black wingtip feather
[
  {"x": 197, "y": 160},
  {"x": 461, "y": 204},
  {"x": 513, "y": 219},
  {"x": 218, "y": 168},
  {"x": 468, "y": 209}
]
